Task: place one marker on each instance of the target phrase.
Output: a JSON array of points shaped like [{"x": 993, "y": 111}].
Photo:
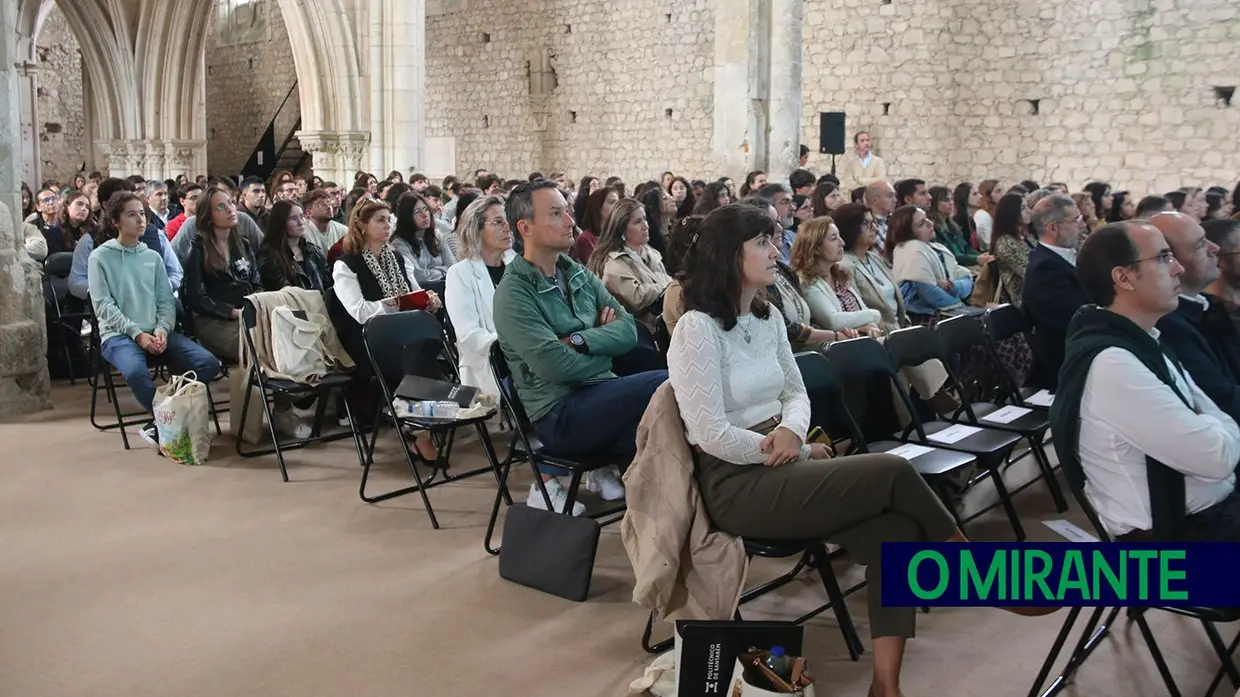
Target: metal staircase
[{"x": 271, "y": 155}]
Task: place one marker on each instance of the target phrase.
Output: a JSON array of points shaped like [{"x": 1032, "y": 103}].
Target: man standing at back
[
  {"x": 861, "y": 167},
  {"x": 1052, "y": 293},
  {"x": 1154, "y": 455},
  {"x": 560, "y": 330}
]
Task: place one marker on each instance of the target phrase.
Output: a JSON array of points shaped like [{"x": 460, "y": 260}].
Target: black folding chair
[
  {"x": 1093, "y": 633},
  {"x": 68, "y": 323},
  {"x": 403, "y": 343},
  {"x": 526, "y": 447},
  {"x": 865, "y": 357},
  {"x": 662, "y": 337},
  {"x": 956, "y": 336},
  {"x": 104, "y": 378},
  {"x": 268, "y": 387},
  {"x": 1002, "y": 323}
]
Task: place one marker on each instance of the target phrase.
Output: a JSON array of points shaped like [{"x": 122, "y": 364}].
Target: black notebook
[{"x": 419, "y": 389}]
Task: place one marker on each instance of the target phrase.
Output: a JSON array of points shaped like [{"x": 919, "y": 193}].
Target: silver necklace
[{"x": 745, "y": 331}]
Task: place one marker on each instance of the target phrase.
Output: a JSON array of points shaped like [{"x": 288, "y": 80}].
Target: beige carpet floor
[{"x": 124, "y": 574}]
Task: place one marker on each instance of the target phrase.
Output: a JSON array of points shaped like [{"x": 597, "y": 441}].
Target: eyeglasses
[
  {"x": 1164, "y": 258},
  {"x": 1078, "y": 220},
  {"x": 421, "y": 210},
  {"x": 497, "y": 222}
]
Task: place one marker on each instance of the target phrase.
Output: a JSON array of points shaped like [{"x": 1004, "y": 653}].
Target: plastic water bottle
[{"x": 778, "y": 662}]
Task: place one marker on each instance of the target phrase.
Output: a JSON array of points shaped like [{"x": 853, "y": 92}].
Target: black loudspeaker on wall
[{"x": 831, "y": 133}]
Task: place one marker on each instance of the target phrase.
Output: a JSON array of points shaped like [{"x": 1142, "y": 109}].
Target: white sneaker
[
  {"x": 606, "y": 483},
  {"x": 559, "y": 496},
  {"x": 288, "y": 424}
]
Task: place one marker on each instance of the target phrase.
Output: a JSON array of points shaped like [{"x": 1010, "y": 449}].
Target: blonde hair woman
[
  {"x": 828, "y": 287},
  {"x": 486, "y": 249},
  {"x": 631, "y": 269}
]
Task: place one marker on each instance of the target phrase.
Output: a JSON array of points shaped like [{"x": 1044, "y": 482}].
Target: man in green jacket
[
  {"x": 560, "y": 330},
  {"x": 135, "y": 309}
]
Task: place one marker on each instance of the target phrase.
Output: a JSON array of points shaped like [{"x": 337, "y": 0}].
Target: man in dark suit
[
  {"x": 1052, "y": 293},
  {"x": 1209, "y": 351}
]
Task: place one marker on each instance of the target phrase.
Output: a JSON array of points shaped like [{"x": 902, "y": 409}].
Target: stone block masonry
[
  {"x": 61, "y": 102},
  {"x": 633, "y": 87},
  {"x": 245, "y": 86}
]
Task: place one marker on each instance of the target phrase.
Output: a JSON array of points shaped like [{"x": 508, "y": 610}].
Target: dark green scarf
[{"x": 1091, "y": 330}]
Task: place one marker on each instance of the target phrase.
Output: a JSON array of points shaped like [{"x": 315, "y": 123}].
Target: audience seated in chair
[
  {"x": 368, "y": 279},
  {"x": 929, "y": 278},
  {"x": 1224, "y": 292},
  {"x": 746, "y": 412},
  {"x": 485, "y": 241},
  {"x": 287, "y": 256},
  {"x": 135, "y": 308},
  {"x": 561, "y": 331},
  {"x": 631, "y": 269},
  {"x": 221, "y": 270},
  {"x": 1052, "y": 293},
  {"x": 1152, "y": 451},
  {"x": 427, "y": 255},
  {"x": 1012, "y": 240},
  {"x": 682, "y": 236},
  {"x": 79, "y": 282},
  {"x": 1209, "y": 355}
]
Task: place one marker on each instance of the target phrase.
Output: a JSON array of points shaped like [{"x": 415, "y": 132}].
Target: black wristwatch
[{"x": 578, "y": 342}]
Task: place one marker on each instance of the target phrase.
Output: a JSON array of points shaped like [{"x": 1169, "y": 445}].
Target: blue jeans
[
  {"x": 600, "y": 420},
  {"x": 181, "y": 355}
]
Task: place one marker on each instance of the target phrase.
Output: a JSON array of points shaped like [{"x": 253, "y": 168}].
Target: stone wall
[
  {"x": 61, "y": 103},
  {"x": 1124, "y": 88},
  {"x": 618, "y": 74},
  {"x": 246, "y": 84}
]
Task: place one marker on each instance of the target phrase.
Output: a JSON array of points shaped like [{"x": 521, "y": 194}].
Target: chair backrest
[
  {"x": 826, "y": 390},
  {"x": 58, "y": 264},
  {"x": 508, "y": 389},
  {"x": 913, "y": 346},
  {"x": 403, "y": 343},
  {"x": 864, "y": 359},
  {"x": 662, "y": 337},
  {"x": 958, "y": 334},
  {"x": 1002, "y": 323}
]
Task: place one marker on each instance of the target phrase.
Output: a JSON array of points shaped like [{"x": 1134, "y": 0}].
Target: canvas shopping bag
[
  {"x": 183, "y": 419},
  {"x": 297, "y": 344}
]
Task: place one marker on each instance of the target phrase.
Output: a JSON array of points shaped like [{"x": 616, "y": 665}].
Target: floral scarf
[{"x": 388, "y": 271}]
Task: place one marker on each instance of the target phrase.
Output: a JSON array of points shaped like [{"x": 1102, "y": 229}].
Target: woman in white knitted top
[{"x": 746, "y": 413}]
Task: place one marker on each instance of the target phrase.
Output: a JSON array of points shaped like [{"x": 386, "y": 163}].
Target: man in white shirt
[
  {"x": 1155, "y": 456},
  {"x": 861, "y": 167}
]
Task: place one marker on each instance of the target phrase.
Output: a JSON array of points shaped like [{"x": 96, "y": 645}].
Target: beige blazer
[
  {"x": 685, "y": 568},
  {"x": 867, "y": 286},
  {"x": 635, "y": 282}
]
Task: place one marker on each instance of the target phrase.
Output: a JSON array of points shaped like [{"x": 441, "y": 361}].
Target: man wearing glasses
[
  {"x": 1209, "y": 350},
  {"x": 1052, "y": 293},
  {"x": 47, "y": 202},
  {"x": 1154, "y": 454}
]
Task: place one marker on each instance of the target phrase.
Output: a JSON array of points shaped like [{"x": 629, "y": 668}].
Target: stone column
[
  {"x": 784, "y": 114},
  {"x": 397, "y": 83},
  {"x": 24, "y": 385},
  {"x": 28, "y": 87},
  {"x": 336, "y": 156},
  {"x": 757, "y": 115}
]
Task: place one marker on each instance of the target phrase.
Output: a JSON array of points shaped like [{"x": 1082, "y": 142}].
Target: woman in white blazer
[{"x": 486, "y": 248}]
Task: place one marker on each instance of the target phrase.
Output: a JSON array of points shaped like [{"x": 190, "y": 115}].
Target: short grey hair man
[
  {"x": 1032, "y": 199},
  {"x": 1057, "y": 221}
]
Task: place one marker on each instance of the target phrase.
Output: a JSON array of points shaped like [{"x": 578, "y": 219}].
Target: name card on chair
[
  {"x": 1042, "y": 398},
  {"x": 908, "y": 451},
  {"x": 1006, "y": 415},
  {"x": 953, "y": 434}
]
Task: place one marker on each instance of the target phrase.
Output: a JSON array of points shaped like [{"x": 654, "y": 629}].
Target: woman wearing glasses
[
  {"x": 929, "y": 278},
  {"x": 426, "y": 254},
  {"x": 486, "y": 249}
]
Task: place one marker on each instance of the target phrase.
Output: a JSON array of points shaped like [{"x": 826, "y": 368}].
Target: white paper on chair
[
  {"x": 954, "y": 434},
  {"x": 1006, "y": 415},
  {"x": 1069, "y": 531},
  {"x": 1041, "y": 398},
  {"x": 908, "y": 451}
]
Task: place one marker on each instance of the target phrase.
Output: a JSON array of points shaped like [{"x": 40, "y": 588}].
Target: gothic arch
[
  {"x": 323, "y": 38},
  {"x": 30, "y": 16}
]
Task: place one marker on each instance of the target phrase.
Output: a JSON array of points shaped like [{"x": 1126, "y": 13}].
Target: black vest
[{"x": 372, "y": 291}]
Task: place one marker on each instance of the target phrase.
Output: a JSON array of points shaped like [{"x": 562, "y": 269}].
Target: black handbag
[{"x": 550, "y": 552}]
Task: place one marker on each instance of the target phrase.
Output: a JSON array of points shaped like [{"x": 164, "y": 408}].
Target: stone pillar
[
  {"x": 24, "y": 385},
  {"x": 336, "y": 156},
  {"x": 397, "y": 72},
  {"x": 757, "y": 114},
  {"x": 784, "y": 113},
  {"x": 31, "y": 169}
]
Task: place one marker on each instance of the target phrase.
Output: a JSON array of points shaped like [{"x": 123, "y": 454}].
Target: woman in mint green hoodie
[{"x": 135, "y": 309}]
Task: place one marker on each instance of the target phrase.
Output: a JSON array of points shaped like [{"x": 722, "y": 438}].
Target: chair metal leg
[
  {"x": 1048, "y": 473},
  {"x": 649, "y": 631},
  {"x": 215, "y": 414},
  {"x": 1138, "y": 615},
  {"x": 420, "y": 487},
  {"x": 1085, "y": 645},
  {"x": 818, "y": 557},
  {"x": 110, "y": 386},
  {"x": 1228, "y": 667},
  {"x": 505, "y": 468},
  {"x": 1006, "y": 499}
]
